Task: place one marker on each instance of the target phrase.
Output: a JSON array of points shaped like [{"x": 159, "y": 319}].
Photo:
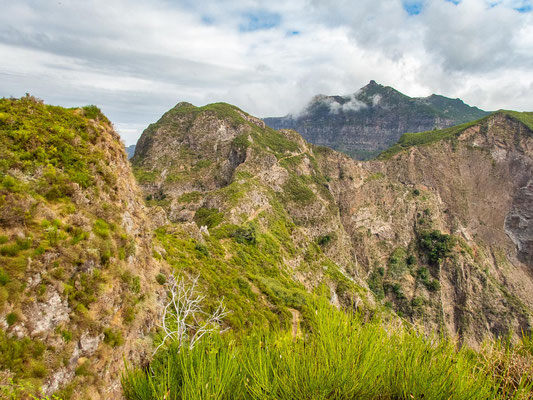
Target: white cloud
[{"x": 137, "y": 58}]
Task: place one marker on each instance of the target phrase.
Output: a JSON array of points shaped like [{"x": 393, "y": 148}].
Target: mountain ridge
[{"x": 370, "y": 120}]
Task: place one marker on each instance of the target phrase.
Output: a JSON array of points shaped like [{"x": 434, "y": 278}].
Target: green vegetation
[
  {"x": 296, "y": 189},
  {"x": 161, "y": 279},
  {"x": 525, "y": 117},
  {"x": 113, "y": 337},
  {"x": 23, "y": 357},
  {"x": 340, "y": 356},
  {"x": 275, "y": 141},
  {"x": 190, "y": 197},
  {"x": 61, "y": 217},
  {"x": 423, "y": 138},
  {"x": 436, "y": 245},
  {"x": 209, "y": 217},
  {"x": 55, "y": 139}
]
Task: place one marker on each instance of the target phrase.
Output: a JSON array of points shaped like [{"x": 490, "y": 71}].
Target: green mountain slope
[
  {"x": 76, "y": 276},
  {"x": 270, "y": 231}
]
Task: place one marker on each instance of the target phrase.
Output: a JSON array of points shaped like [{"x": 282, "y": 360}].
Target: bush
[
  {"x": 436, "y": 245},
  {"x": 202, "y": 249},
  {"x": 209, "y": 217},
  {"x": 298, "y": 191},
  {"x": 101, "y": 228},
  {"x": 324, "y": 240},
  {"x": 4, "y": 277},
  {"x": 113, "y": 337},
  {"x": 245, "y": 235},
  {"x": 12, "y": 318},
  {"x": 161, "y": 279},
  {"x": 410, "y": 260}
]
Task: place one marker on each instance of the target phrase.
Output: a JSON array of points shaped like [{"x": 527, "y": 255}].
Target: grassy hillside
[
  {"x": 253, "y": 245},
  {"x": 65, "y": 252},
  {"x": 422, "y": 138}
]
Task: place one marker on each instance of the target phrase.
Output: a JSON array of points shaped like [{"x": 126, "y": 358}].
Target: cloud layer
[{"x": 137, "y": 58}]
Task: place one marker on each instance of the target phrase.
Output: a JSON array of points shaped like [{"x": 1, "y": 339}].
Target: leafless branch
[{"x": 184, "y": 320}]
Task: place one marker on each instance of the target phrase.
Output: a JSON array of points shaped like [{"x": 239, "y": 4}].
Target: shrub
[
  {"x": 434, "y": 285},
  {"x": 92, "y": 112},
  {"x": 298, "y": 191},
  {"x": 113, "y": 337},
  {"x": 325, "y": 239},
  {"x": 12, "y": 318},
  {"x": 101, "y": 228},
  {"x": 4, "y": 277},
  {"x": 209, "y": 217},
  {"x": 436, "y": 245},
  {"x": 245, "y": 235},
  {"x": 161, "y": 279},
  {"x": 202, "y": 249}
]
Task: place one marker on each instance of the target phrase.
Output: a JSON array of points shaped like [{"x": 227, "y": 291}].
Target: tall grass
[{"x": 340, "y": 357}]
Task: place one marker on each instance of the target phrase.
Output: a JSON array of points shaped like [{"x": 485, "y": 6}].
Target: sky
[{"x": 136, "y": 59}]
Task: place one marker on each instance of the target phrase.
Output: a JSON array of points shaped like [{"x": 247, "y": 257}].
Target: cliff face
[
  {"x": 480, "y": 177},
  {"x": 437, "y": 233},
  {"x": 471, "y": 184},
  {"x": 77, "y": 280},
  {"x": 372, "y": 119}
]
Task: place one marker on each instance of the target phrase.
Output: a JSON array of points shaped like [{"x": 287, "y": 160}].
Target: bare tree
[{"x": 184, "y": 320}]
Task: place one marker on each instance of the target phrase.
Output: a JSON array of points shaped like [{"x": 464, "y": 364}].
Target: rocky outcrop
[{"x": 372, "y": 119}]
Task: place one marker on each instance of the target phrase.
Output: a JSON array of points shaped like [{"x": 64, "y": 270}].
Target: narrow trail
[{"x": 295, "y": 322}]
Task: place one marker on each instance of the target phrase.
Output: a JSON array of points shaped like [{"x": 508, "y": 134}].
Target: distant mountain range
[
  {"x": 130, "y": 150},
  {"x": 372, "y": 119}
]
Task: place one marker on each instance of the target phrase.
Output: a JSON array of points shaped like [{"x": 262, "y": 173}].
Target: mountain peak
[{"x": 373, "y": 118}]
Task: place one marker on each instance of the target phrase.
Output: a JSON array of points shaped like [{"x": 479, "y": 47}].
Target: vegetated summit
[
  {"x": 274, "y": 226},
  {"x": 372, "y": 119}
]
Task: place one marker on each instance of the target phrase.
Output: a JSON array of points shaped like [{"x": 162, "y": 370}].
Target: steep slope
[
  {"x": 77, "y": 280},
  {"x": 372, "y": 119},
  {"x": 248, "y": 210},
  {"x": 292, "y": 217},
  {"x": 480, "y": 173}
]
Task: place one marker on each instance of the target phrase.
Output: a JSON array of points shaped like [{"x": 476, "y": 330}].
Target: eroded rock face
[
  {"x": 519, "y": 223},
  {"x": 45, "y": 316},
  {"x": 479, "y": 189}
]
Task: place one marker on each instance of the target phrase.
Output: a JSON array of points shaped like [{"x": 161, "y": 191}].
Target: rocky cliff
[
  {"x": 436, "y": 232},
  {"x": 373, "y": 118},
  {"x": 77, "y": 278}
]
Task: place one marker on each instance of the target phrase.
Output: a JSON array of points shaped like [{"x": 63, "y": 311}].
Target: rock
[{"x": 44, "y": 317}]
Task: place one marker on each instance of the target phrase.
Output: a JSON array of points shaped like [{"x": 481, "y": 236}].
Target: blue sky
[{"x": 137, "y": 58}]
